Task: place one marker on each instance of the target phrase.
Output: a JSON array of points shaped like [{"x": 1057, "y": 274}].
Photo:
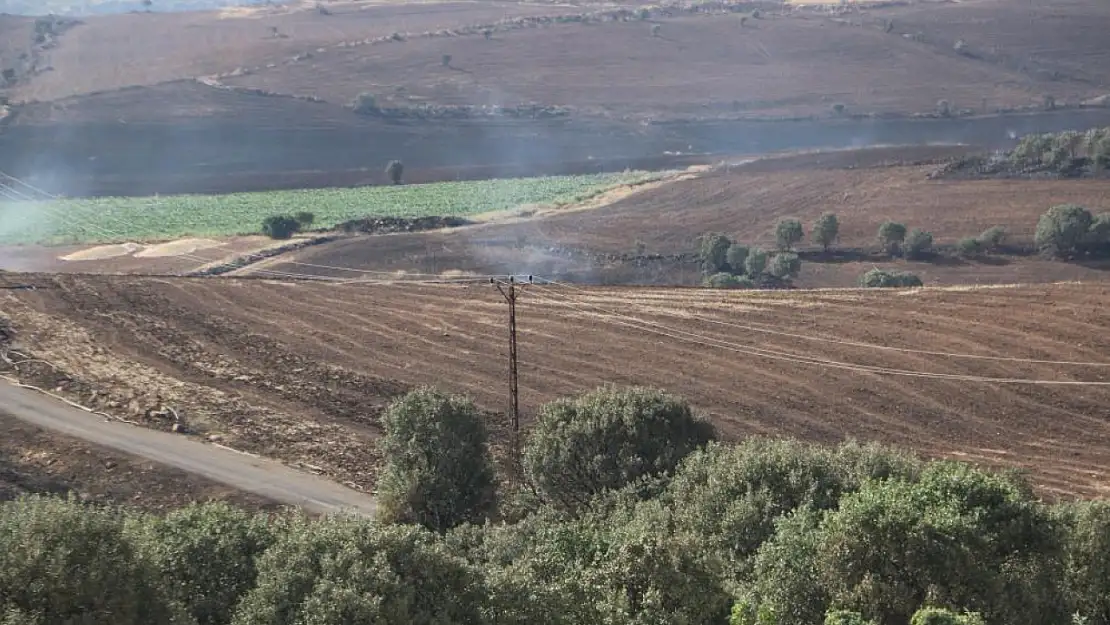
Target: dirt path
[{"x": 254, "y": 475}]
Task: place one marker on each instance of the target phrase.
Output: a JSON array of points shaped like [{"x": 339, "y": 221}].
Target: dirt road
[{"x": 255, "y": 475}]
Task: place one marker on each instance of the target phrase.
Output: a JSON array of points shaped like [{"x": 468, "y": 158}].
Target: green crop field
[{"x": 105, "y": 220}]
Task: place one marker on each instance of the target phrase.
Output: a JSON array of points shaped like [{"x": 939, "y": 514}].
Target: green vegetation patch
[{"x": 109, "y": 219}]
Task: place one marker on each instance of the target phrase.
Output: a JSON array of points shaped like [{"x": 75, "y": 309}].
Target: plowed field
[{"x": 301, "y": 371}]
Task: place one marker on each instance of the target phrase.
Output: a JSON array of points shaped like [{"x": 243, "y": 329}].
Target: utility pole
[{"x": 508, "y": 290}]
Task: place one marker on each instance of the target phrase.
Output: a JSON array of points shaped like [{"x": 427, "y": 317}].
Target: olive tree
[
  {"x": 918, "y": 243},
  {"x": 736, "y": 256},
  {"x": 713, "y": 251},
  {"x": 788, "y": 233},
  {"x": 825, "y": 230},
  {"x": 1062, "y": 229},
  {"x": 438, "y": 471},
  {"x": 606, "y": 439},
  {"x": 786, "y": 266},
  {"x": 891, "y": 236},
  {"x": 395, "y": 169},
  {"x": 756, "y": 263}
]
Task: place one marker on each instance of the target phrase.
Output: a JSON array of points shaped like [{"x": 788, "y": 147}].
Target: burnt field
[{"x": 301, "y": 371}]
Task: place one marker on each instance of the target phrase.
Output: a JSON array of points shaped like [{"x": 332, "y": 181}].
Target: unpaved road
[{"x": 254, "y": 475}]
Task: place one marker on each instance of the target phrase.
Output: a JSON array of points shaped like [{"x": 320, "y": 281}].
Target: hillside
[{"x": 300, "y": 371}]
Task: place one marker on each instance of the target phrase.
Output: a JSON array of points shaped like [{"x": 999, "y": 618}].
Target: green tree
[
  {"x": 726, "y": 280},
  {"x": 1062, "y": 229},
  {"x": 788, "y": 233},
  {"x": 786, "y": 266},
  {"x": 438, "y": 470},
  {"x": 787, "y": 581},
  {"x": 969, "y": 246},
  {"x": 918, "y": 243},
  {"x": 713, "y": 251},
  {"x": 756, "y": 263},
  {"x": 878, "y": 278},
  {"x": 993, "y": 238},
  {"x": 304, "y": 219},
  {"x": 339, "y": 570},
  {"x": 1087, "y": 559},
  {"x": 395, "y": 170},
  {"x": 891, "y": 236},
  {"x": 204, "y": 555},
  {"x": 606, "y": 439},
  {"x": 736, "y": 257},
  {"x": 826, "y": 230},
  {"x": 280, "y": 227},
  {"x": 958, "y": 538},
  {"x": 63, "y": 562}
]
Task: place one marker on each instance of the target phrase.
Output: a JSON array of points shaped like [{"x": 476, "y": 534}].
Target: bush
[
  {"x": 655, "y": 28},
  {"x": 438, "y": 470},
  {"x": 280, "y": 227},
  {"x": 63, "y": 562},
  {"x": 446, "y": 60},
  {"x": 305, "y": 219},
  {"x": 1062, "y": 229},
  {"x": 878, "y": 278},
  {"x": 365, "y": 104},
  {"x": 394, "y": 170},
  {"x": 826, "y": 230},
  {"x": 204, "y": 556},
  {"x": 969, "y": 246},
  {"x": 919, "y": 244},
  {"x": 845, "y": 617},
  {"x": 993, "y": 238},
  {"x": 606, "y": 439},
  {"x": 1086, "y": 530},
  {"x": 891, "y": 236},
  {"x": 1098, "y": 234},
  {"x": 713, "y": 251},
  {"x": 941, "y": 616},
  {"x": 736, "y": 256},
  {"x": 786, "y": 266},
  {"x": 788, "y": 233},
  {"x": 958, "y": 537},
  {"x": 726, "y": 280},
  {"x": 756, "y": 263},
  {"x": 344, "y": 570}
]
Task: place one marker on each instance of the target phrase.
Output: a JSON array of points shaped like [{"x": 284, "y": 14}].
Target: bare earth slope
[{"x": 290, "y": 369}]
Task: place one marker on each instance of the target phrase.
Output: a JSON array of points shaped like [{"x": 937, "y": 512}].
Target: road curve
[{"x": 259, "y": 476}]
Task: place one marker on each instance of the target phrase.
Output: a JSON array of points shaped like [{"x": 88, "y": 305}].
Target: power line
[
  {"x": 699, "y": 339},
  {"x": 765, "y": 330}
]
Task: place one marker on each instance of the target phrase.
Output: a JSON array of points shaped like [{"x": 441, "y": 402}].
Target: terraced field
[{"x": 1012, "y": 376}]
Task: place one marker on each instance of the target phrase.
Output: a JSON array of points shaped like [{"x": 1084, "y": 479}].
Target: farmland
[
  {"x": 153, "y": 218},
  {"x": 301, "y": 371}
]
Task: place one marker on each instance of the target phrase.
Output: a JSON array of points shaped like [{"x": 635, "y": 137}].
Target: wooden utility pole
[{"x": 509, "y": 291}]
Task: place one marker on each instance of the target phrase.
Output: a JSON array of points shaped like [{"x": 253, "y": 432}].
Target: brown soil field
[
  {"x": 705, "y": 65},
  {"x": 36, "y": 461},
  {"x": 618, "y": 243},
  {"x": 113, "y": 51},
  {"x": 300, "y": 371},
  {"x": 1063, "y": 41}
]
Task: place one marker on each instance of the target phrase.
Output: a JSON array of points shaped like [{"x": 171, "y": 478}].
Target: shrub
[
  {"x": 878, "y": 278},
  {"x": 736, "y": 256},
  {"x": 993, "y": 238},
  {"x": 446, "y": 60},
  {"x": 958, "y": 537},
  {"x": 204, "y": 556},
  {"x": 891, "y": 236},
  {"x": 344, "y": 570},
  {"x": 826, "y": 230},
  {"x": 969, "y": 246},
  {"x": 713, "y": 251},
  {"x": 788, "y": 233},
  {"x": 1098, "y": 234},
  {"x": 725, "y": 280},
  {"x": 365, "y": 104},
  {"x": 606, "y": 439},
  {"x": 755, "y": 263},
  {"x": 944, "y": 108},
  {"x": 280, "y": 226},
  {"x": 655, "y": 30},
  {"x": 304, "y": 219},
  {"x": 941, "y": 616},
  {"x": 394, "y": 170},
  {"x": 487, "y": 33},
  {"x": 63, "y": 562},
  {"x": 1062, "y": 229},
  {"x": 786, "y": 266},
  {"x": 846, "y": 617},
  {"x": 919, "y": 244},
  {"x": 438, "y": 470},
  {"x": 1087, "y": 559}
]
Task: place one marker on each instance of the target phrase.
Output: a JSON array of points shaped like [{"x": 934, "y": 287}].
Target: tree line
[{"x": 626, "y": 512}]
